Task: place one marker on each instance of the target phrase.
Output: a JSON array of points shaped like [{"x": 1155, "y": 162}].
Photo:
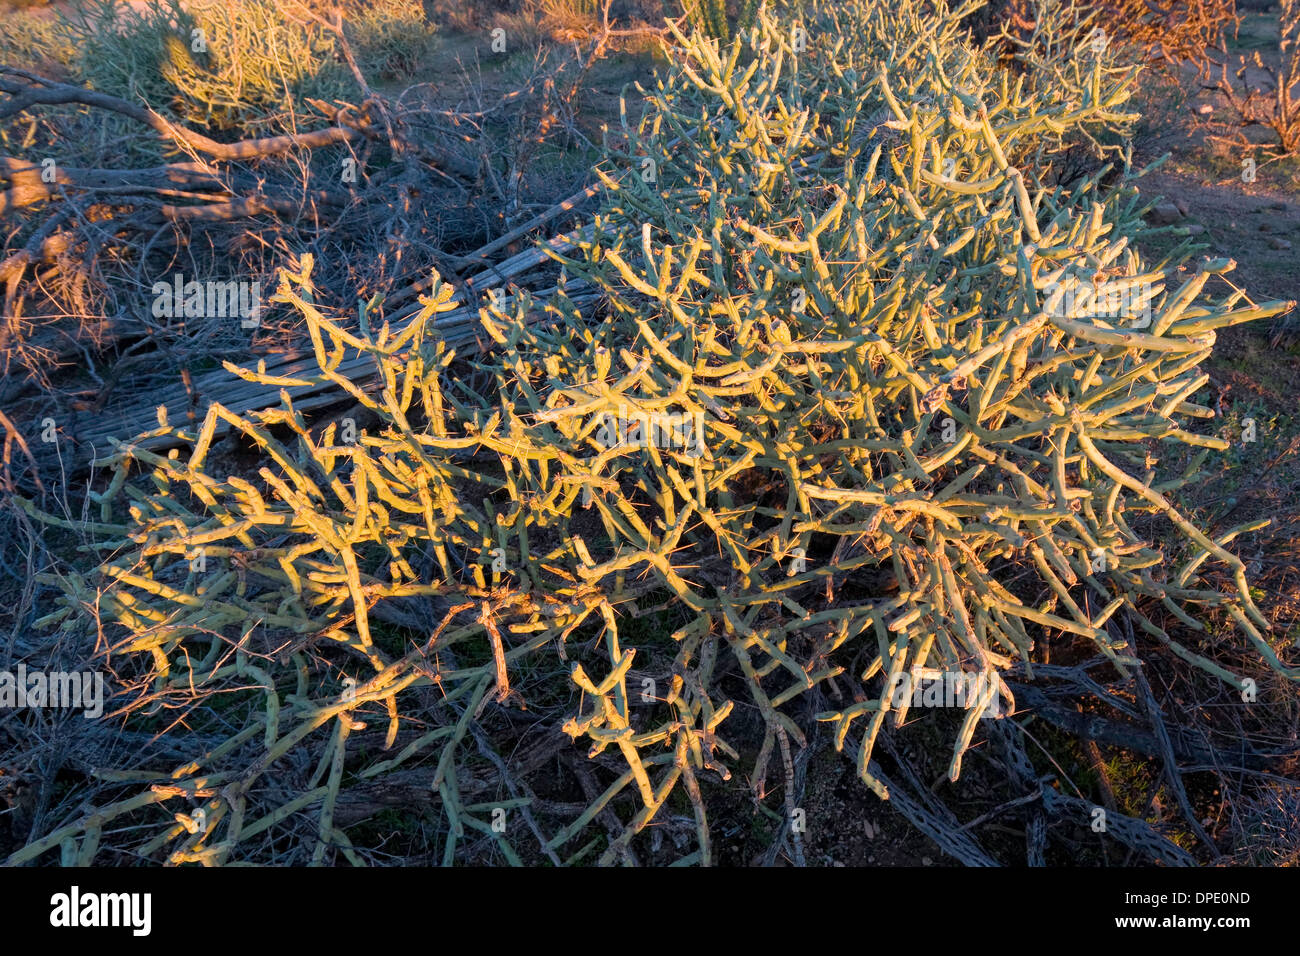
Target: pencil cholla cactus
[{"x": 943, "y": 454}]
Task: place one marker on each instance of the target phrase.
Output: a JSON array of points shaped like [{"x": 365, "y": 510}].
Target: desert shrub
[
  {"x": 708, "y": 16},
  {"x": 1175, "y": 31},
  {"x": 1171, "y": 31},
  {"x": 243, "y": 67},
  {"x": 34, "y": 41},
  {"x": 843, "y": 334},
  {"x": 578, "y": 11},
  {"x": 1272, "y": 106},
  {"x": 216, "y": 65},
  {"x": 711, "y": 17},
  {"x": 392, "y": 38}
]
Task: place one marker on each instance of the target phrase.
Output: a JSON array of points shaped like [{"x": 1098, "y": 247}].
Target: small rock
[
  {"x": 1277, "y": 242},
  {"x": 926, "y": 861},
  {"x": 1195, "y": 229},
  {"x": 1182, "y": 207},
  {"x": 1280, "y": 205},
  {"x": 1204, "y": 109},
  {"x": 1165, "y": 214}
]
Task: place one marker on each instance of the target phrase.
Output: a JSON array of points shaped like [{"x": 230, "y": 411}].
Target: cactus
[
  {"x": 886, "y": 348},
  {"x": 709, "y": 17}
]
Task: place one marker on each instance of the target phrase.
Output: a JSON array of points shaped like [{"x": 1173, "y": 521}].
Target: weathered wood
[
  {"x": 240, "y": 396},
  {"x": 89, "y": 435},
  {"x": 27, "y": 185},
  {"x": 28, "y": 90}
]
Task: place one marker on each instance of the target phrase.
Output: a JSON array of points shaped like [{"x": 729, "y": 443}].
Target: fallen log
[
  {"x": 90, "y": 436},
  {"x": 28, "y": 90}
]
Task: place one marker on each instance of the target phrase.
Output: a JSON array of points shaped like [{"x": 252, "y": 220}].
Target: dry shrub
[
  {"x": 1270, "y": 105},
  {"x": 1170, "y": 31}
]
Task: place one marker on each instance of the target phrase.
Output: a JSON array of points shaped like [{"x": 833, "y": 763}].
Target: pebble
[{"x": 1165, "y": 214}]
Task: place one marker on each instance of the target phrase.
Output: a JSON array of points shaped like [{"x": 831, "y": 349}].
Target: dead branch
[{"x": 29, "y": 90}]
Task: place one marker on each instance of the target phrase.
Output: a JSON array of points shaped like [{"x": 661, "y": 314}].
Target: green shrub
[
  {"x": 33, "y": 42},
  {"x": 709, "y": 17},
  {"x": 392, "y": 38},
  {"x": 220, "y": 66},
  {"x": 232, "y": 70}
]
